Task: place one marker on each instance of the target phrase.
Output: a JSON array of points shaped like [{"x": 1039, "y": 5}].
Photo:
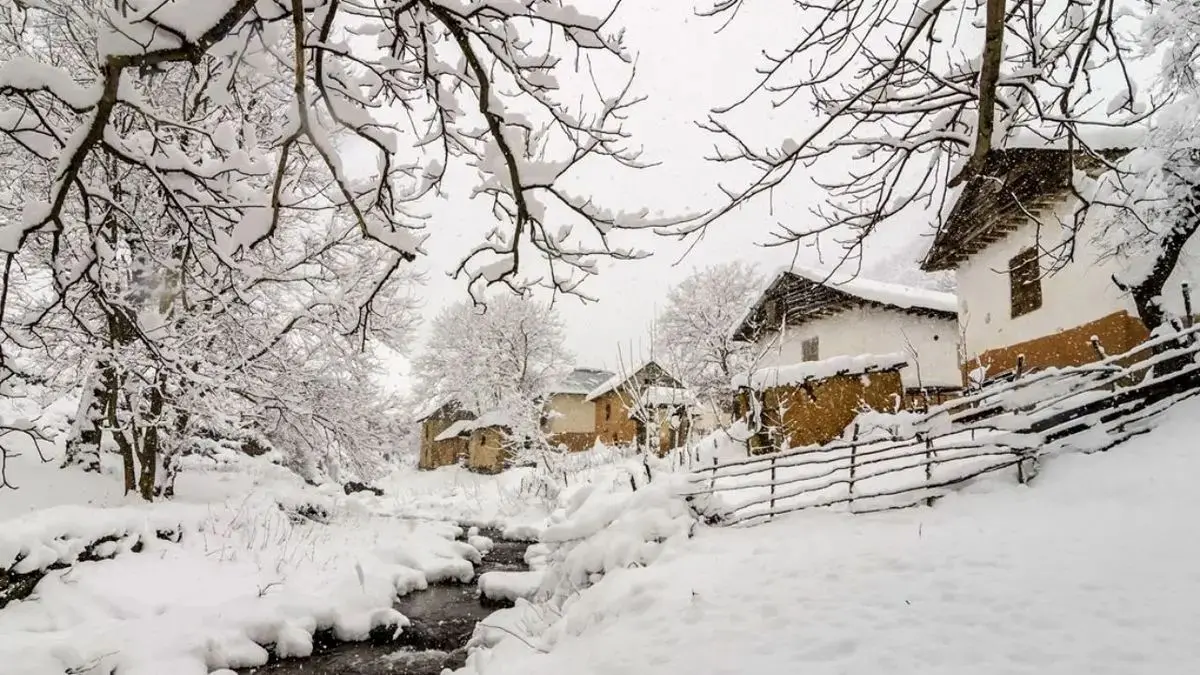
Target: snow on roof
[
  {"x": 894, "y": 295},
  {"x": 431, "y": 406},
  {"x": 656, "y": 396},
  {"x": 882, "y": 292},
  {"x": 616, "y": 380},
  {"x": 581, "y": 381},
  {"x": 455, "y": 430},
  {"x": 807, "y": 371},
  {"x": 493, "y": 418}
]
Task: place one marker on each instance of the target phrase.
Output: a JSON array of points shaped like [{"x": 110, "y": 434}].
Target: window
[
  {"x": 810, "y": 349},
  {"x": 1025, "y": 281},
  {"x": 607, "y": 411}
]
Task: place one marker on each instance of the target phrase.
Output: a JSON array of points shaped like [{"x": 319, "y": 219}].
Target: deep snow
[{"x": 1093, "y": 568}]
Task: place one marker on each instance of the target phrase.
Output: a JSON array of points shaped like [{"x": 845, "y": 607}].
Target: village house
[
  {"x": 806, "y": 314},
  {"x": 644, "y": 405},
  {"x": 441, "y": 442},
  {"x": 482, "y": 444},
  {"x": 1027, "y": 301},
  {"x": 570, "y": 419},
  {"x": 829, "y": 346}
]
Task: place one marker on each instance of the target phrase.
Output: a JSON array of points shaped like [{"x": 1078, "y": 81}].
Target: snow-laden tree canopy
[
  {"x": 211, "y": 205},
  {"x": 503, "y": 356},
  {"x": 693, "y": 333}
]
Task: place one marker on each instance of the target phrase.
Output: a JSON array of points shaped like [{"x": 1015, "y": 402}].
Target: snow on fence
[{"x": 1006, "y": 426}]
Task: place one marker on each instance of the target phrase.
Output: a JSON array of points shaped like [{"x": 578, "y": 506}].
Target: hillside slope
[{"x": 1095, "y": 568}]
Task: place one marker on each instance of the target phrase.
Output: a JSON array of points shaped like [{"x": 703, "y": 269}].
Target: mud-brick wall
[
  {"x": 818, "y": 414},
  {"x": 614, "y": 426},
  {"x": 1117, "y": 333},
  {"x": 574, "y": 441},
  {"x": 439, "y": 453},
  {"x": 486, "y": 451}
]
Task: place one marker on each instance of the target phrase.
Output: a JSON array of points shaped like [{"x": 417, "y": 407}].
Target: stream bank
[{"x": 443, "y": 618}]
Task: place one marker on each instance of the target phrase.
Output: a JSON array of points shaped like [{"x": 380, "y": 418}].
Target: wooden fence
[{"x": 1006, "y": 426}]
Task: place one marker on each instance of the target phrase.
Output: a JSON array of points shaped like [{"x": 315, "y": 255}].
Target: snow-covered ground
[
  {"x": 1094, "y": 568},
  {"x": 264, "y": 559},
  {"x": 516, "y": 501},
  {"x": 1091, "y": 569}
]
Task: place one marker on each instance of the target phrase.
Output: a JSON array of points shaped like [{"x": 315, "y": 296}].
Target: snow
[
  {"x": 581, "y": 381},
  {"x": 264, "y": 559},
  {"x": 613, "y": 382},
  {"x": 895, "y": 295},
  {"x": 617, "y": 380},
  {"x": 24, "y": 73},
  {"x": 806, "y": 371},
  {"x": 656, "y": 396},
  {"x": 510, "y": 586},
  {"x": 1089, "y": 569},
  {"x": 459, "y": 428}
]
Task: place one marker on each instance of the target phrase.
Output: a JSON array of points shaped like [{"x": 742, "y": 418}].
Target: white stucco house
[
  {"x": 1024, "y": 296},
  {"x": 810, "y": 314},
  {"x": 570, "y": 415}
]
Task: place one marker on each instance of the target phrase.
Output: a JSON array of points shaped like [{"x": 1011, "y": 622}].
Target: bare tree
[{"x": 896, "y": 103}]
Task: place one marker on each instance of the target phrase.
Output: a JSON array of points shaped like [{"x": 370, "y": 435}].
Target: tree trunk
[
  {"x": 989, "y": 76},
  {"x": 1147, "y": 295},
  {"x": 83, "y": 445}
]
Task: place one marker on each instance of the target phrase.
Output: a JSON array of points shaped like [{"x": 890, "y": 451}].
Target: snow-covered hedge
[{"x": 605, "y": 529}]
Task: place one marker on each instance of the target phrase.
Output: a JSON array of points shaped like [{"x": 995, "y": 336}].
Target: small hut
[
  {"x": 489, "y": 443},
  {"x": 642, "y": 406},
  {"x": 438, "y": 447},
  {"x": 570, "y": 419}
]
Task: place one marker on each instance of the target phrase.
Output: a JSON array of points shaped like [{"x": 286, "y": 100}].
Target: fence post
[
  {"x": 853, "y": 462},
  {"x": 1020, "y": 366},
  {"x": 712, "y": 481},
  {"x": 929, "y": 463},
  {"x": 1100, "y": 353},
  {"x": 1187, "y": 305},
  {"x": 772, "y": 488}
]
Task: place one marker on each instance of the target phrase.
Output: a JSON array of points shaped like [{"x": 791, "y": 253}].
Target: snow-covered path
[{"x": 1093, "y": 569}]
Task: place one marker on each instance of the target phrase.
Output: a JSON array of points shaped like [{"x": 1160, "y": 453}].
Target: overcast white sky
[{"x": 684, "y": 68}]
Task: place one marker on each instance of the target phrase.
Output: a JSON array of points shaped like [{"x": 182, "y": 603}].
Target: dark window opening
[
  {"x": 607, "y": 411},
  {"x": 1025, "y": 281},
  {"x": 810, "y": 349}
]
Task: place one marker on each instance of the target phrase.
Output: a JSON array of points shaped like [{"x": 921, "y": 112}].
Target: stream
[{"x": 443, "y": 618}]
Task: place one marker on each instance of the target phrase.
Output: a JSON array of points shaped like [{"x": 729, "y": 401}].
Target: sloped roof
[
  {"x": 441, "y": 405},
  {"x": 811, "y": 293},
  {"x": 1015, "y": 182},
  {"x": 621, "y": 378},
  {"x": 581, "y": 381},
  {"x": 459, "y": 428}
]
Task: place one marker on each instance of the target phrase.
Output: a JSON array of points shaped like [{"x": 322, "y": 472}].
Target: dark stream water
[{"x": 443, "y": 618}]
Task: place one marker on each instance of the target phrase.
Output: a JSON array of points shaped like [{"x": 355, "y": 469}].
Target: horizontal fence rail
[{"x": 1004, "y": 426}]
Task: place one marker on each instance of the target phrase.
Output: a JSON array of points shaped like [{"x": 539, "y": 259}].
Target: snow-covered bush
[{"x": 604, "y": 530}]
